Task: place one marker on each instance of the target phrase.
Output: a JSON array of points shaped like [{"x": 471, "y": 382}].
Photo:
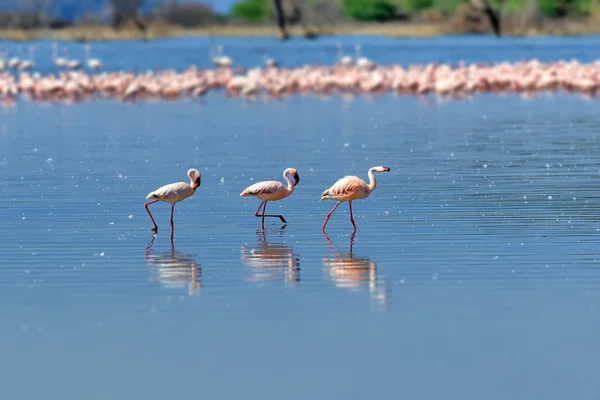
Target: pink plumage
[
  {"x": 346, "y": 189},
  {"x": 272, "y": 191},
  {"x": 174, "y": 193},
  {"x": 268, "y": 190},
  {"x": 350, "y": 188}
]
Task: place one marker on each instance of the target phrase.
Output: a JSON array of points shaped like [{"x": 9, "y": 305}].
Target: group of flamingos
[
  {"x": 348, "y": 188},
  {"x": 349, "y": 75}
]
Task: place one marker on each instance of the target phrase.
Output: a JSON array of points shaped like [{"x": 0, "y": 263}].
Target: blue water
[
  {"x": 180, "y": 53},
  {"x": 473, "y": 273}
]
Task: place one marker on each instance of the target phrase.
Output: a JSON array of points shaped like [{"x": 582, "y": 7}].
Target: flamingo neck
[
  {"x": 290, "y": 182},
  {"x": 372, "y": 181}
]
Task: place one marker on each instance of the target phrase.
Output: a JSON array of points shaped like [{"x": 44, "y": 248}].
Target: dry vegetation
[
  {"x": 415, "y": 29},
  {"x": 322, "y": 19}
]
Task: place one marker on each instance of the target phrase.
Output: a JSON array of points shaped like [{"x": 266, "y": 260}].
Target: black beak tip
[{"x": 296, "y": 178}]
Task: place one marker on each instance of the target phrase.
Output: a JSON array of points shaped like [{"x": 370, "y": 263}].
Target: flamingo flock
[
  {"x": 348, "y": 76},
  {"x": 347, "y": 189}
]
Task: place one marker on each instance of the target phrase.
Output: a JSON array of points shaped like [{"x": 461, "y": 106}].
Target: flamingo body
[
  {"x": 272, "y": 191},
  {"x": 347, "y": 188},
  {"x": 174, "y": 193},
  {"x": 267, "y": 191},
  {"x": 351, "y": 188},
  {"x": 94, "y": 63}
]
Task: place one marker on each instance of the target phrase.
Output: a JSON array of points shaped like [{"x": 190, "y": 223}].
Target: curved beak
[
  {"x": 296, "y": 178},
  {"x": 197, "y": 183},
  {"x": 386, "y": 169}
]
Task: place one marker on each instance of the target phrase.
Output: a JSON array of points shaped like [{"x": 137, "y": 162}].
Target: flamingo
[
  {"x": 58, "y": 61},
  {"x": 93, "y": 63},
  {"x": 220, "y": 60},
  {"x": 13, "y": 62},
  {"x": 362, "y": 62},
  {"x": 272, "y": 191},
  {"x": 350, "y": 188},
  {"x": 27, "y": 64},
  {"x": 174, "y": 193},
  {"x": 270, "y": 61},
  {"x": 344, "y": 59}
]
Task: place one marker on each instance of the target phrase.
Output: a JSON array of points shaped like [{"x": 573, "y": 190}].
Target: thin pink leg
[
  {"x": 155, "y": 227},
  {"x": 352, "y": 218},
  {"x": 272, "y": 215},
  {"x": 329, "y": 215},
  {"x": 172, "y": 210},
  {"x": 256, "y": 214}
]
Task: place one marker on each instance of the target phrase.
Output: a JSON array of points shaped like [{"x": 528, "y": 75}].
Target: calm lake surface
[{"x": 473, "y": 274}]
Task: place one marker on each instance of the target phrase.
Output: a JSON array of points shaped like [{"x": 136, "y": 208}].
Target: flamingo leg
[
  {"x": 352, "y": 218},
  {"x": 329, "y": 215},
  {"x": 263, "y": 215},
  {"x": 256, "y": 214},
  {"x": 272, "y": 215},
  {"x": 155, "y": 227},
  {"x": 172, "y": 211}
]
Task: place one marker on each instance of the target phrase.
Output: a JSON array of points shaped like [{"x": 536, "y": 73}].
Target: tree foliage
[
  {"x": 369, "y": 10},
  {"x": 563, "y": 8},
  {"x": 415, "y": 6},
  {"x": 251, "y": 10}
]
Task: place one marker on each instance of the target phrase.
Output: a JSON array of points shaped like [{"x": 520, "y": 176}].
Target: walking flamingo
[
  {"x": 272, "y": 191},
  {"x": 174, "y": 193},
  {"x": 350, "y": 188}
]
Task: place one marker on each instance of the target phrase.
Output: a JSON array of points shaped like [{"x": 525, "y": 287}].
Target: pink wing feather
[
  {"x": 347, "y": 187},
  {"x": 264, "y": 189}
]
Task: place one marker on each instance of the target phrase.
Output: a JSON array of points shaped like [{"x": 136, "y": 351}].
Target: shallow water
[{"x": 473, "y": 271}]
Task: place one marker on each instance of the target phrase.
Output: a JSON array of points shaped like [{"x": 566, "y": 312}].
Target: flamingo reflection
[
  {"x": 174, "y": 269},
  {"x": 271, "y": 261},
  {"x": 350, "y": 272}
]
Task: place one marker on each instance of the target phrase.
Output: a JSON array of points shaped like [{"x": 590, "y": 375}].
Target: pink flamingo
[
  {"x": 350, "y": 188},
  {"x": 174, "y": 193},
  {"x": 272, "y": 191}
]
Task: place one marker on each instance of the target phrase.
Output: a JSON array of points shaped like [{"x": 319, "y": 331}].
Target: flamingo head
[
  {"x": 382, "y": 168},
  {"x": 294, "y": 174},
  {"x": 195, "y": 178}
]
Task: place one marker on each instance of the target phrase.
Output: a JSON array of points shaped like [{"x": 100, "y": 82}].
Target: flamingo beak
[
  {"x": 296, "y": 178},
  {"x": 386, "y": 169},
  {"x": 197, "y": 183}
]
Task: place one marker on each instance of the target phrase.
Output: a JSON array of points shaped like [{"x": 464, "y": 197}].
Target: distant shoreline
[{"x": 394, "y": 30}]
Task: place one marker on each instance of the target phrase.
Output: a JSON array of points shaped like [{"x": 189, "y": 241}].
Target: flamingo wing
[
  {"x": 265, "y": 188},
  {"x": 171, "y": 192},
  {"x": 346, "y": 187}
]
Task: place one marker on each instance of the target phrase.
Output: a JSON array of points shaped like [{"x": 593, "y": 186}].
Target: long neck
[
  {"x": 290, "y": 186},
  {"x": 372, "y": 181}
]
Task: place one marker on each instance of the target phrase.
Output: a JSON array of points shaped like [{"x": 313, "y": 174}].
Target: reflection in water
[
  {"x": 174, "y": 269},
  {"x": 351, "y": 272},
  {"x": 271, "y": 261}
]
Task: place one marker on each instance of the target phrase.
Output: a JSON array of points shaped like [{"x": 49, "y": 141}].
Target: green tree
[
  {"x": 414, "y": 6},
  {"x": 369, "y": 10},
  {"x": 251, "y": 10}
]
